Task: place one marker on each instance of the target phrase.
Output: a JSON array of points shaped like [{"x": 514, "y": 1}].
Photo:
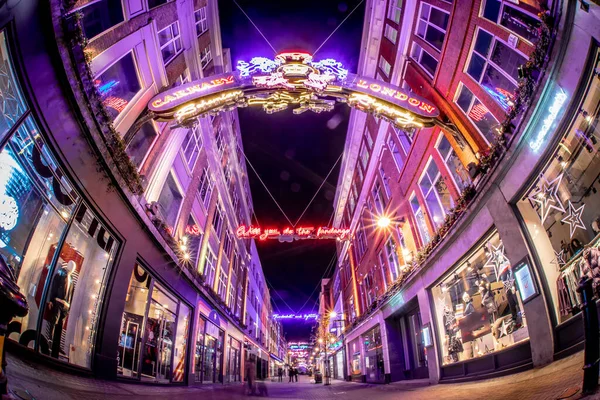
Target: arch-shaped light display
[{"x": 292, "y": 79}]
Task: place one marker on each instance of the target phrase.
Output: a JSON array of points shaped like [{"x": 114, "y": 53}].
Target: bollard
[{"x": 592, "y": 345}]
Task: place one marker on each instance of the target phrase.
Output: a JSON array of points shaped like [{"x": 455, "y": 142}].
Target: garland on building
[
  {"x": 72, "y": 24},
  {"x": 529, "y": 78}
]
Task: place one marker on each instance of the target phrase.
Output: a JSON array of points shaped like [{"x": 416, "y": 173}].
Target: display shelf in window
[{"x": 478, "y": 306}]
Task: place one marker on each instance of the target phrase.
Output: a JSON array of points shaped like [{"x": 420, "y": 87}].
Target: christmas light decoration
[
  {"x": 291, "y": 234},
  {"x": 304, "y": 317},
  {"x": 573, "y": 218},
  {"x": 547, "y": 196},
  {"x": 291, "y": 78}
]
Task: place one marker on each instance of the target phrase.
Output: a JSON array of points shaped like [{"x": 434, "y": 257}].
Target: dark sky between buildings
[{"x": 293, "y": 153}]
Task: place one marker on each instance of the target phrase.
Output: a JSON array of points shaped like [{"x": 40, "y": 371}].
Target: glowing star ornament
[
  {"x": 559, "y": 259},
  {"x": 497, "y": 258},
  {"x": 573, "y": 218},
  {"x": 547, "y": 196}
]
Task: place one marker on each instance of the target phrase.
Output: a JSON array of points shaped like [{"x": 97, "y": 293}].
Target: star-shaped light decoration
[
  {"x": 547, "y": 196},
  {"x": 496, "y": 257},
  {"x": 503, "y": 329},
  {"x": 573, "y": 218},
  {"x": 559, "y": 260}
]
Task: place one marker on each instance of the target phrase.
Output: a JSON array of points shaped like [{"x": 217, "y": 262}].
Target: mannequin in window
[
  {"x": 469, "y": 308},
  {"x": 59, "y": 303}
]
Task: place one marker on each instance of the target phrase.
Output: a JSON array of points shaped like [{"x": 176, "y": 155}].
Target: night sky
[{"x": 293, "y": 153}]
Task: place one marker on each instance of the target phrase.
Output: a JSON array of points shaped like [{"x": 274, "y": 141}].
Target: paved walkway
[{"x": 550, "y": 382}]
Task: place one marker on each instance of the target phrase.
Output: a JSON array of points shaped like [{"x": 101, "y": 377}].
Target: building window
[
  {"x": 378, "y": 198},
  {"x": 205, "y": 56},
  {"x": 218, "y": 220},
  {"x": 432, "y": 25},
  {"x": 170, "y": 200},
  {"x": 365, "y": 155},
  {"x": 156, "y": 3},
  {"x": 201, "y": 22},
  {"x": 395, "y": 10},
  {"x": 118, "y": 84},
  {"x": 494, "y": 65},
  {"x": 391, "y": 34},
  {"x": 141, "y": 142},
  {"x": 392, "y": 257},
  {"x": 420, "y": 219},
  {"x": 194, "y": 239},
  {"x": 361, "y": 242},
  {"x": 191, "y": 147},
  {"x": 386, "y": 184},
  {"x": 227, "y": 244},
  {"x": 424, "y": 59},
  {"x": 479, "y": 114},
  {"x": 205, "y": 189},
  {"x": 455, "y": 166},
  {"x": 478, "y": 306},
  {"x": 100, "y": 15},
  {"x": 385, "y": 66},
  {"x": 169, "y": 39},
  {"x": 512, "y": 18},
  {"x": 183, "y": 78},
  {"x": 396, "y": 153},
  {"x": 210, "y": 266},
  {"x": 222, "y": 288},
  {"x": 436, "y": 193}
]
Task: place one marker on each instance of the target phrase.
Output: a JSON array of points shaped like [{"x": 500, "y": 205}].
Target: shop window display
[
  {"x": 355, "y": 360},
  {"x": 373, "y": 355},
  {"x": 478, "y": 305},
  {"x": 560, "y": 210},
  {"x": 154, "y": 332}
]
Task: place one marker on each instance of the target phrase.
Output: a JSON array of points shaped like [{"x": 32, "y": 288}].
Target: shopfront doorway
[
  {"x": 408, "y": 358},
  {"x": 154, "y": 331},
  {"x": 213, "y": 354}
]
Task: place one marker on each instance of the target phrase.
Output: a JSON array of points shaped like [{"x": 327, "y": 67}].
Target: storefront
[
  {"x": 374, "y": 370},
  {"x": 234, "y": 358},
  {"x": 560, "y": 210},
  {"x": 61, "y": 252},
  {"x": 338, "y": 365},
  {"x": 154, "y": 332},
  {"x": 355, "y": 360},
  {"x": 213, "y": 339},
  {"x": 408, "y": 358},
  {"x": 479, "y": 312}
]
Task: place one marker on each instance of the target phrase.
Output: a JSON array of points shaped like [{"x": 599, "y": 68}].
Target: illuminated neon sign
[
  {"x": 302, "y": 317},
  {"x": 559, "y": 100},
  {"x": 292, "y": 78},
  {"x": 291, "y": 234}
]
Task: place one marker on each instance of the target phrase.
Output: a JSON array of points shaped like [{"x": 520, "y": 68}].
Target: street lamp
[
  {"x": 332, "y": 314},
  {"x": 383, "y": 221}
]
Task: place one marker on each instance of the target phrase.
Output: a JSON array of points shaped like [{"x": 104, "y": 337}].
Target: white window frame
[
  {"x": 445, "y": 158},
  {"x": 210, "y": 265},
  {"x": 503, "y": 4},
  {"x": 206, "y": 201},
  {"x": 392, "y": 257},
  {"x": 488, "y": 61},
  {"x": 390, "y": 33},
  {"x": 196, "y": 142},
  {"x": 202, "y": 21},
  {"x": 174, "y": 39},
  {"x": 385, "y": 179},
  {"x": 418, "y": 59},
  {"x": 433, "y": 181},
  {"x": 205, "y": 57},
  {"x": 425, "y": 236},
  {"x": 429, "y": 24},
  {"x": 383, "y": 62},
  {"x": 466, "y": 113},
  {"x": 392, "y": 9},
  {"x": 219, "y": 229}
]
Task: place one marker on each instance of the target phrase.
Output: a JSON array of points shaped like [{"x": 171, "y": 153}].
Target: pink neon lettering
[{"x": 375, "y": 87}]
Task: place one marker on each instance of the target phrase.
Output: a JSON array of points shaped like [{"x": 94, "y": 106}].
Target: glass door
[
  {"x": 418, "y": 357},
  {"x": 210, "y": 349},
  {"x": 157, "y": 361}
]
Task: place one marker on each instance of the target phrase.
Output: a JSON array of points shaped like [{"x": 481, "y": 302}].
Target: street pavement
[{"x": 558, "y": 380}]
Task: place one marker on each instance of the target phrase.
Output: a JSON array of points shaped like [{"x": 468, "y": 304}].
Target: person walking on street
[
  {"x": 251, "y": 374},
  {"x": 280, "y": 374},
  {"x": 291, "y": 374},
  {"x": 296, "y": 374}
]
